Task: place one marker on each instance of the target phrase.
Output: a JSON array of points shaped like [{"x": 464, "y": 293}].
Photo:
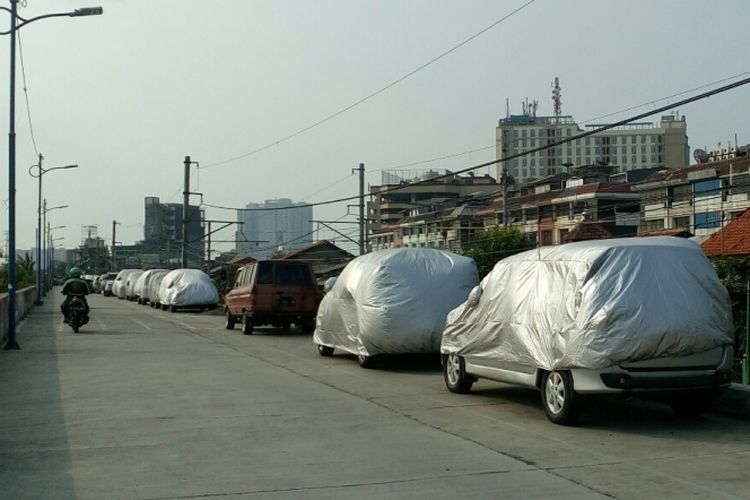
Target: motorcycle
[{"x": 77, "y": 313}]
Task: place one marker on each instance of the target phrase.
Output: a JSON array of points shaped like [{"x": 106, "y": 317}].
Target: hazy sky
[{"x": 128, "y": 94}]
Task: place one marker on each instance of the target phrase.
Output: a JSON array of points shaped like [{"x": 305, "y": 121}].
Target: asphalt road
[{"x": 145, "y": 404}]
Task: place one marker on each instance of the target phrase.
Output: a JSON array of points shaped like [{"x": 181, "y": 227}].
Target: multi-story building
[
  {"x": 404, "y": 192},
  {"x": 700, "y": 198},
  {"x": 274, "y": 226},
  {"x": 546, "y": 210},
  {"x": 632, "y": 146},
  {"x": 163, "y": 231}
]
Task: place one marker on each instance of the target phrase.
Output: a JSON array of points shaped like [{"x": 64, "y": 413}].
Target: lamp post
[
  {"x": 15, "y": 26},
  {"x": 38, "y": 171},
  {"x": 49, "y": 256},
  {"x": 45, "y": 210}
]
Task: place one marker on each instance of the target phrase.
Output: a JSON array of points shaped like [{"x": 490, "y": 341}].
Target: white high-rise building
[
  {"x": 629, "y": 147},
  {"x": 273, "y": 226}
]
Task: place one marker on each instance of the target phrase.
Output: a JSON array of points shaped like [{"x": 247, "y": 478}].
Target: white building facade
[
  {"x": 630, "y": 147},
  {"x": 273, "y": 226}
]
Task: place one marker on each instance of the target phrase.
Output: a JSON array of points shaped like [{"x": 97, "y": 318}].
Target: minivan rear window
[
  {"x": 286, "y": 274},
  {"x": 292, "y": 274}
]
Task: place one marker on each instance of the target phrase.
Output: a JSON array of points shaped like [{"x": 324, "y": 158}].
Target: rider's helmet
[{"x": 74, "y": 272}]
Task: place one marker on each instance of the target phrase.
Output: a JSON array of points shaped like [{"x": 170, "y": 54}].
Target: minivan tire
[
  {"x": 229, "y": 320},
  {"x": 454, "y": 374},
  {"x": 247, "y": 325},
  {"x": 561, "y": 404},
  {"x": 325, "y": 350},
  {"x": 365, "y": 361}
]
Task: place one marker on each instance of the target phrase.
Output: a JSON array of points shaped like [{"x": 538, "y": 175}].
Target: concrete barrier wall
[{"x": 24, "y": 302}]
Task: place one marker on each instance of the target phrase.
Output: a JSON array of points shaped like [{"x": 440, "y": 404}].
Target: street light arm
[
  {"x": 41, "y": 171},
  {"x": 86, "y": 11}
]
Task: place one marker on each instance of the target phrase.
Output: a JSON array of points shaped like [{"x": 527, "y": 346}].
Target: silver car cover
[
  {"x": 594, "y": 304},
  {"x": 394, "y": 301}
]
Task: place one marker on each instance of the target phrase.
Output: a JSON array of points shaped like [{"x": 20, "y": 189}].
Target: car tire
[
  {"x": 365, "y": 361},
  {"x": 325, "y": 350},
  {"x": 561, "y": 404},
  {"x": 247, "y": 325},
  {"x": 163, "y": 307},
  {"x": 229, "y": 320},
  {"x": 173, "y": 309},
  {"x": 455, "y": 376}
]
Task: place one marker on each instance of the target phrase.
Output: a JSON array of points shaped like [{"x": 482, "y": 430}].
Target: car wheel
[
  {"x": 324, "y": 350},
  {"x": 455, "y": 376},
  {"x": 247, "y": 325},
  {"x": 163, "y": 307},
  {"x": 228, "y": 320},
  {"x": 561, "y": 404},
  {"x": 365, "y": 361},
  {"x": 173, "y": 309}
]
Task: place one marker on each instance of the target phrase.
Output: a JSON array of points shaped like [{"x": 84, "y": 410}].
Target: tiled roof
[
  {"x": 587, "y": 230},
  {"x": 732, "y": 239}
]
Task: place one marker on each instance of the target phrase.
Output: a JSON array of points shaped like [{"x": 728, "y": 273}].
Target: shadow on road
[{"x": 35, "y": 455}]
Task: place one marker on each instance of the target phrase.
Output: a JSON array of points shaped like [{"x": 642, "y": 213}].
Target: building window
[
  {"x": 624, "y": 160},
  {"x": 588, "y": 141},
  {"x": 533, "y": 143},
  {"x": 707, "y": 220},
  {"x": 546, "y": 238},
  {"x": 515, "y": 133},
  {"x": 523, "y": 133},
  {"x": 533, "y": 172},
  {"x": 706, "y": 188},
  {"x": 643, "y": 139},
  {"x": 533, "y": 132},
  {"x": 533, "y": 162},
  {"x": 643, "y": 159},
  {"x": 643, "y": 150},
  {"x": 634, "y": 159},
  {"x": 679, "y": 222}
]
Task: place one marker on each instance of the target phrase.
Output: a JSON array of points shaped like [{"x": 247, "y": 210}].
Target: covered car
[
  {"x": 187, "y": 288},
  {"x": 140, "y": 289},
  {"x": 596, "y": 317},
  {"x": 393, "y": 301},
  {"x": 119, "y": 287},
  {"x": 131, "y": 282},
  {"x": 153, "y": 289}
]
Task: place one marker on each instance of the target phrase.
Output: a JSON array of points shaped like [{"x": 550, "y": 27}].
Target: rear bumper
[{"x": 616, "y": 379}]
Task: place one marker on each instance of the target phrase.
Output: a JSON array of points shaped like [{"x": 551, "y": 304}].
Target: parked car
[
  {"x": 187, "y": 289},
  {"x": 105, "y": 283},
  {"x": 393, "y": 302},
  {"x": 273, "y": 292},
  {"x": 143, "y": 283},
  {"x": 119, "y": 288},
  {"x": 632, "y": 316},
  {"x": 153, "y": 290},
  {"x": 130, "y": 284}
]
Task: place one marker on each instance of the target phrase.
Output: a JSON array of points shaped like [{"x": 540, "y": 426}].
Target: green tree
[
  {"x": 489, "y": 246},
  {"x": 734, "y": 272},
  {"x": 24, "y": 276}
]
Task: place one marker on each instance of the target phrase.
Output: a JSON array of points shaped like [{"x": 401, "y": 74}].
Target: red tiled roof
[
  {"x": 680, "y": 232},
  {"x": 732, "y": 239},
  {"x": 587, "y": 230}
]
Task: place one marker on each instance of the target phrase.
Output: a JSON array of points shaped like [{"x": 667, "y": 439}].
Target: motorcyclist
[{"x": 74, "y": 285}]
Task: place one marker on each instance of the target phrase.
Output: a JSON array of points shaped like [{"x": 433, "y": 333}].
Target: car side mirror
[
  {"x": 329, "y": 284},
  {"x": 474, "y": 295}
]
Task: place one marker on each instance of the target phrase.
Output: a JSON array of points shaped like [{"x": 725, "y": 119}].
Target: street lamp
[
  {"x": 39, "y": 173},
  {"x": 49, "y": 256},
  {"x": 15, "y": 26}
]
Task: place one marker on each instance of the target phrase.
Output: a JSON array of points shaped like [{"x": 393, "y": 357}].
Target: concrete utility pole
[
  {"x": 362, "y": 219},
  {"x": 114, "y": 229},
  {"x": 185, "y": 218}
]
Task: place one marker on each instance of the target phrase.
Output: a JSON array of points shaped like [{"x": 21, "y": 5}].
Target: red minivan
[{"x": 273, "y": 292}]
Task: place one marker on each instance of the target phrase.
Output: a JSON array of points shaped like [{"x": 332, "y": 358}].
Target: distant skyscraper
[{"x": 273, "y": 225}]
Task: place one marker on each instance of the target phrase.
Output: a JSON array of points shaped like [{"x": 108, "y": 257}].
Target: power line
[
  {"x": 562, "y": 141},
  {"x": 26, "y": 94},
  {"x": 373, "y": 94}
]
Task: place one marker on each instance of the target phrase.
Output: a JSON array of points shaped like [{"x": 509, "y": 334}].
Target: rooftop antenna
[{"x": 557, "y": 99}]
